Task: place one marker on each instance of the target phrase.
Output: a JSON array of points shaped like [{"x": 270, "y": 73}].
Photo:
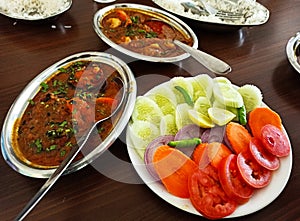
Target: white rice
[
  {"x": 253, "y": 13},
  {"x": 33, "y": 8}
]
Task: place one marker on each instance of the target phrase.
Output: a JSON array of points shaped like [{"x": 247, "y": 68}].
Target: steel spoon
[
  {"x": 210, "y": 62},
  {"x": 63, "y": 166}
]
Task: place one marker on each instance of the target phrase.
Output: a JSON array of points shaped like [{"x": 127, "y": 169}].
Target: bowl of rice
[{"x": 33, "y": 9}]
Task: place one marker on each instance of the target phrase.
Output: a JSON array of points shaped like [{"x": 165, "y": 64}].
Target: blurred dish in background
[
  {"x": 293, "y": 51},
  {"x": 34, "y": 9},
  {"x": 252, "y": 12}
]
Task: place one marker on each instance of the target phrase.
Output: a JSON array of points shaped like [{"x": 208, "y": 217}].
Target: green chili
[
  {"x": 242, "y": 115},
  {"x": 185, "y": 95},
  {"x": 185, "y": 143}
]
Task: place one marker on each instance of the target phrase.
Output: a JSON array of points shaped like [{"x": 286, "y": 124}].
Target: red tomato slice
[
  {"x": 263, "y": 156},
  {"x": 275, "y": 141},
  {"x": 253, "y": 173},
  {"x": 207, "y": 195},
  {"x": 232, "y": 182}
]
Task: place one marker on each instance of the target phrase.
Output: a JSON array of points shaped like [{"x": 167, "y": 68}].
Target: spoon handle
[
  {"x": 52, "y": 179},
  {"x": 210, "y": 62}
]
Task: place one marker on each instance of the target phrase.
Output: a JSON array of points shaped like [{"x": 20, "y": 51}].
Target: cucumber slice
[
  {"x": 222, "y": 80},
  {"x": 146, "y": 110},
  {"x": 164, "y": 103},
  {"x": 165, "y": 91},
  {"x": 202, "y": 85},
  {"x": 141, "y": 134},
  {"x": 251, "y": 95},
  {"x": 168, "y": 125},
  {"x": 220, "y": 116},
  {"x": 181, "y": 115},
  {"x": 227, "y": 95},
  {"x": 183, "y": 83}
]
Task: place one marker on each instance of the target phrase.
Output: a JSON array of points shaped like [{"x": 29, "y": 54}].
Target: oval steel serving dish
[
  {"x": 293, "y": 51},
  {"x": 35, "y": 16},
  {"x": 158, "y": 14},
  {"x": 21, "y": 102}
]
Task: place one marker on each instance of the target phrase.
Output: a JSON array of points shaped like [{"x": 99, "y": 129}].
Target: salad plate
[
  {"x": 293, "y": 51},
  {"x": 260, "y": 199},
  {"x": 253, "y": 13},
  {"x": 33, "y": 10}
]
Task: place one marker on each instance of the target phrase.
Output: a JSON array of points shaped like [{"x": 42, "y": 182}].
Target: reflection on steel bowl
[
  {"x": 57, "y": 108},
  {"x": 143, "y": 32},
  {"x": 298, "y": 53}
]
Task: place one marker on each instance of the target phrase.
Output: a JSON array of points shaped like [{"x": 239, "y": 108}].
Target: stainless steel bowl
[
  {"x": 293, "y": 51},
  {"x": 21, "y": 102},
  {"x": 159, "y": 14},
  {"x": 35, "y": 16}
]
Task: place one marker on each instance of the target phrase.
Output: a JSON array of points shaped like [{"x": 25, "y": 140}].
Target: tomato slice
[
  {"x": 263, "y": 156},
  {"x": 253, "y": 173},
  {"x": 232, "y": 182},
  {"x": 275, "y": 141},
  {"x": 207, "y": 195}
]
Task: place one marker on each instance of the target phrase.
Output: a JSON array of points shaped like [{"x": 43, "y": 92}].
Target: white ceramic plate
[
  {"x": 260, "y": 14},
  {"x": 34, "y": 16},
  {"x": 259, "y": 200},
  {"x": 293, "y": 50}
]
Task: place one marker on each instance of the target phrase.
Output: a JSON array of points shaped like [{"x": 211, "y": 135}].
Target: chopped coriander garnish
[
  {"x": 62, "y": 70},
  {"x": 69, "y": 144},
  {"x": 38, "y": 145},
  {"x": 64, "y": 123},
  {"x": 135, "y": 19},
  {"x": 31, "y": 102},
  {"x": 52, "y": 147},
  {"x": 62, "y": 153},
  {"x": 44, "y": 86},
  {"x": 151, "y": 35}
]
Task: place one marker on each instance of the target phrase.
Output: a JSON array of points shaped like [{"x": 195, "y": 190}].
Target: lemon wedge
[
  {"x": 202, "y": 104},
  {"x": 220, "y": 116},
  {"x": 200, "y": 119}
]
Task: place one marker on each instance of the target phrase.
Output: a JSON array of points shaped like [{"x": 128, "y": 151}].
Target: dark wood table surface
[{"x": 256, "y": 54}]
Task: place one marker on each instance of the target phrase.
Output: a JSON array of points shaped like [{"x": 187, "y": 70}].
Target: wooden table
[{"x": 256, "y": 54}]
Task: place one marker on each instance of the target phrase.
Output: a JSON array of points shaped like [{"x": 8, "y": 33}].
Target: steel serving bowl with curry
[
  {"x": 143, "y": 32},
  {"x": 69, "y": 99}
]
